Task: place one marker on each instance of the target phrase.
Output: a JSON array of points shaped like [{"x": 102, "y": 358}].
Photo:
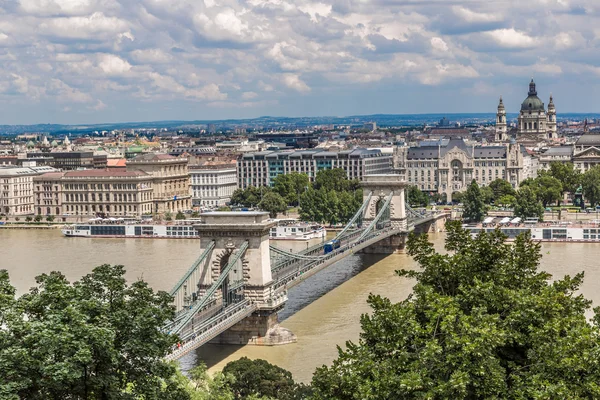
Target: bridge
[{"x": 231, "y": 294}]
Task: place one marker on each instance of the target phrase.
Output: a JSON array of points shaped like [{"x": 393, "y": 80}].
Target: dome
[{"x": 532, "y": 102}]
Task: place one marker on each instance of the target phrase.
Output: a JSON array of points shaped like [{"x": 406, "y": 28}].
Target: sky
[{"x": 93, "y": 61}]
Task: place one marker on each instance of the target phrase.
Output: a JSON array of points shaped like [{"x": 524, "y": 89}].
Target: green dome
[{"x": 532, "y": 102}]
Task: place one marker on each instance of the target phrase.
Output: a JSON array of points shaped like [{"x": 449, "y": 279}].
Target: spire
[
  {"x": 501, "y": 104},
  {"x": 532, "y": 91}
]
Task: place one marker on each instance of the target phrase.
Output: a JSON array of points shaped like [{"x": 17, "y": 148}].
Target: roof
[
  {"x": 559, "y": 151},
  {"x": 589, "y": 139},
  {"x": 11, "y": 170},
  {"x": 116, "y": 162},
  {"x": 97, "y": 173},
  {"x": 153, "y": 157}
]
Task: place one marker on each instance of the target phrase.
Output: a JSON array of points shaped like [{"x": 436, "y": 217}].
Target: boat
[
  {"x": 292, "y": 229},
  {"x": 120, "y": 228},
  {"x": 552, "y": 231}
]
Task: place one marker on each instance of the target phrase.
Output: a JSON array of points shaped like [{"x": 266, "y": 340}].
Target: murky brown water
[{"x": 323, "y": 311}]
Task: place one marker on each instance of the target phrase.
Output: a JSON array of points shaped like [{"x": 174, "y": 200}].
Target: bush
[
  {"x": 28, "y": 219},
  {"x": 180, "y": 215},
  {"x": 37, "y": 218},
  {"x": 50, "y": 218}
]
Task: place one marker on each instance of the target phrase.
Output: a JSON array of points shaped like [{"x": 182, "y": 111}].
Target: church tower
[
  {"x": 532, "y": 118},
  {"x": 551, "y": 119},
  {"x": 501, "y": 128}
]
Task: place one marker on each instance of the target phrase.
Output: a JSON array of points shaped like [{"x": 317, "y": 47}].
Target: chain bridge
[{"x": 233, "y": 291}]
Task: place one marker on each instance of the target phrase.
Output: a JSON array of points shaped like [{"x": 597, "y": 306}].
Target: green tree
[
  {"x": 546, "y": 188},
  {"x": 416, "y": 198},
  {"x": 487, "y": 194},
  {"x": 99, "y": 338},
  {"x": 273, "y": 203},
  {"x": 38, "y": 218},
  {"x": 527, "y": 204},
  {"x": 291, "y": 186},
  {"x": 567, "y": 175},
  {"x": 168, "y": 216},
  {"x": 224, "y": 208},
  {"x": 482, "y": 323},
  {"x": 335, "y": 179},
  {"x": 500, "y": 188},
  {"x": 195, "y": 214},
  {"x": 590, "y": 184},
  {"x": 458, "y": 197},
  {"x": 506, "y": 201},
  {"x": 474, "y": 205},
  {"x": 28, "y": 219},
  {"x": 180, "y": 215},
  {"x": 260, "y": 378},
  {"x": 50, "y": 218}
]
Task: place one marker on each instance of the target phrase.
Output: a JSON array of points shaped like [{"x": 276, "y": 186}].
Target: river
[{"x": 323, "y": 311}]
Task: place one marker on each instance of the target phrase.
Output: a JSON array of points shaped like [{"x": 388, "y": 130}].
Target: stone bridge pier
[
  {"x": 381, "y": 187},
  {"x": 229, "y": 231}
]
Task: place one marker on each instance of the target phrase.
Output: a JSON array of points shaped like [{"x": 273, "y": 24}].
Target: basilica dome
[{"x": 532, "y": 102}]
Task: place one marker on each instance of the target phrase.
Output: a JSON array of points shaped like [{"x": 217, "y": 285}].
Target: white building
[
  {"x": 449, "y": 165},
  {"x": 213, "y": 183},
  {"x": 16, "y": 189},
  {"x": 260, "y": 169}
]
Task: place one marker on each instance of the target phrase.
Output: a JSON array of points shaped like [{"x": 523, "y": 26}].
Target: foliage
[
  {"x": 180, "y": 215},
  {"x": 262, "y": 379},
  {"x": 416, "y": 198},
  {"x": 38, "y": 218},
  {"x": 501, "y": 188},
  {"x": 98, "y": 338},
  {"x": 482, "y": 323},
  {"x": 195, "y": 214},
  {"x": 507, "y": 200},
  {"x": 249, "y": 197},
  {"x": 335, "y": 179},
  {"x": 168, "y": 216},
  {"x": 331, "y": 207},
  {"x": 546, "y": 188},
  {"x": 527, "y": 205},
  {"x": 273, "y": 203},
  {"x": 458, "y": 197},
  {"x": 50, "y": 218},
  {"x": 487, "y": 195},
  {"x": 224, "y": 208},
  {"x": 291, "y": 186},
  {"x": 590, "y": 183},
  {"x": 568, "y": 176},
  {"x": 28, "y": 219},
  {"x": 17, "y": 219},
  {"x": 474, "y": 205}
]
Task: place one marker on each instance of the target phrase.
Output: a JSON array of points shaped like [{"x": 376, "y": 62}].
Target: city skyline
[{"x": 80, "y": 61}]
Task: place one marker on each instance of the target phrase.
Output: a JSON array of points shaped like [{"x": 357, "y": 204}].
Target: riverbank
[{"x": 30, "y": 226}]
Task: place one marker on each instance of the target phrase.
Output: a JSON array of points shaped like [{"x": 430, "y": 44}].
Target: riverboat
[
  {"x": 121, "y": 229},
  {"x": 292, "y": 229},
  {"x": 552, "y": 231}
]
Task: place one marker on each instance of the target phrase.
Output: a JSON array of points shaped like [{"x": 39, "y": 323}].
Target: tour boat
[
  {"x": 292, "y": 229},
  {"x": 120, "y": 229},
  {"x": 553, "y": 231}
]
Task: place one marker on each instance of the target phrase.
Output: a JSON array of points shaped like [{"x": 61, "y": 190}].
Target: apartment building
[
  {"x": 213, "y": 183},
  {"x": 108, "y": 193},
  {"x": 261, "y": 168},
  {"x": 16, "y": 189},
  {"x": 170, "y": 180},
  {"x": 68, "y": 160}
]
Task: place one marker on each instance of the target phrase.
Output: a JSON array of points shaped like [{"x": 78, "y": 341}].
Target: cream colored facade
[
  {"x": 449, "y": 166},
  {"x": 16, "y": 189},
  {"x": 213, "y": 183},
  {"x": 107, "y": 193},
  {"x": 170, "y": 181}
]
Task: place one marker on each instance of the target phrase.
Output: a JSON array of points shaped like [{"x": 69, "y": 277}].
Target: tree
[
  {"x": 506, "y": 201},
  {"x": 482, "y": 323},
  {"x": 260, "y": 378},
  {"x": 291, "y": 186},
  {"x": 50, "y": 218},
  {"x": 250, "y": 197},
  {"x": 334, "y": 179},
  {"x": 527, "y": 204},
  {"x": 546, "y": 188},
  {"x": 590, "y": 184},
  {"x": 416, "y": 198},
  {"x": 487, "y": 194},
  {"x": 473, "y": 201},
  {"x": 38, "y": 218},
  {"x": 168, "y": 216},
  {"x": 99, "y": 338},
  {"x": 180, "y": 215},
  {"x": 28, "y": 219},
  {"x": 500, "y": 188},
  {"x": 458, "y": 197},
  {"x": 567, "y": 175},
  {"x": 195, "y": 214},
  {"x": 273, "y": 203}
]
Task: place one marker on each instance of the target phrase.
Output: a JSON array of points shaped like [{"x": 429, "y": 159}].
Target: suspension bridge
[{"x": 233, "y": 291}]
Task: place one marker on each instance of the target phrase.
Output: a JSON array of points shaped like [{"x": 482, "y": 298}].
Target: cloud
[{"x": 165, "y": 59}]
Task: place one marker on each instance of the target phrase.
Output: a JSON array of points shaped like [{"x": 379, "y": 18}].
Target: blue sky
[{"x": 89, "y": 61}]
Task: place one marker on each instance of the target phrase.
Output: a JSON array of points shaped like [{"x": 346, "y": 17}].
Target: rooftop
[{"x": 92, "y": 173}]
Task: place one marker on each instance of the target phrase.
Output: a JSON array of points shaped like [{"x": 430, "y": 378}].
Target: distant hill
[{"x": 267, "y": 122}]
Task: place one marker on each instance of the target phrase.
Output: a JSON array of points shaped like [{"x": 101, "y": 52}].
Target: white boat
[
  {"x": 292, "y": 229},
  {"x": 564, "y": 231},
  {"x": 98, "y": 229}
]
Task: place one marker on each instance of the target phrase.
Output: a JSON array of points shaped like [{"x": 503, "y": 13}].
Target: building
[
  {"x": 171, "y": 180},
  {"x": 69, "y": 160},
  {"x": 213, "y": 183},
  {"x": 92, "y": 193},
  {"x": 586, "y": 152},
  {"x": 261, "y": 168},
  {"x": 534, "y": 123},
  {"x": 16, "y": 189},
  {"x": 450, "y": 165},
  {"x": 560, "y": 154}
]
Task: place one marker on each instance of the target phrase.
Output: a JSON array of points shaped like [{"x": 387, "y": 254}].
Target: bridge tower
[
  {"x": 382, "y": 186},
  {"x": 229, "y": 233}
]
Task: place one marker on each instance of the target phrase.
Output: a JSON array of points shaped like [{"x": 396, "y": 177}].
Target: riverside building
[
  {"x": 213, "y": 183},
  {"x": 16, "y": 189},
  {"x": 261, "y": 168},
  {"x": 450, "y": 165}
]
